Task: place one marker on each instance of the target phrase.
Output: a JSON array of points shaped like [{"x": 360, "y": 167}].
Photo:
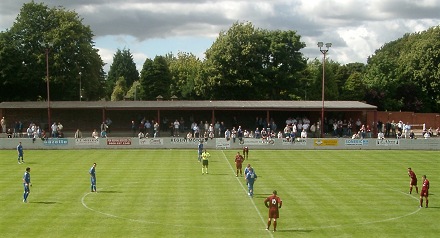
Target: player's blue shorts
[{"x": 26, "y": 188}]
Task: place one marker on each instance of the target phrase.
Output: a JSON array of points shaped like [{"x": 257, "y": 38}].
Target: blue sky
[{"x": 156, "y": 27}]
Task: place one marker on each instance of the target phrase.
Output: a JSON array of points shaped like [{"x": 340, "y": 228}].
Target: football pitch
[{"x": 162, "y": 193}]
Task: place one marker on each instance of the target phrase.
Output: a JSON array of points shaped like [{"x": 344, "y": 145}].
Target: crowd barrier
[{"x": 221, "y": 143}]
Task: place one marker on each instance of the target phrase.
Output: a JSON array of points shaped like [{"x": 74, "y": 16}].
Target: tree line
[{"x": 243, "y": 63}]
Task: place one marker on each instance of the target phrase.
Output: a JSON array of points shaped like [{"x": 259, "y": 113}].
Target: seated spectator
[
  {"x": 399, "y": 135},
  {"x": 9, "y": 133},
  {"x": 380, "y": 135},
  {"x": 355, "y": 136},
  {"x": 303, "y": 133},
  {"x": 426, "y": 135},
  {"x": 95, "y": 134},
  {"x": 189, "y": 135},
  {"x": 141, "y": 135},
  {"x": 438, "y": 131},
  {"x": 280, "y": 135},
  {"x": 412, "y": 135}
]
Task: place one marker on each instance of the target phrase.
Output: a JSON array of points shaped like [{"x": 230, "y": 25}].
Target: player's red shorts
[
  {"x": 413, "y": 182},
  {"x": 274, "y": 213},
  {"x": 239, "y": 166},
  {"x": 424, "y": 193}
]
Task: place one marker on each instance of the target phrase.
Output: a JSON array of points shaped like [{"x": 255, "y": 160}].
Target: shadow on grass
[
  {"x": 294, "y": 230},
  {"x": 109, "y": 191},
  {"x": 47, "y": 203}
]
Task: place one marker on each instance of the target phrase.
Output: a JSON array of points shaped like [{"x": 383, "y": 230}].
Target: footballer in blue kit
[
  {"x": 251, "y": 176},
  {"x": 200, "y": 151},
  {"x": 26, "y": 184},
  {"x": 93, "y": 178},
  {"x": 20, "y": 152}
]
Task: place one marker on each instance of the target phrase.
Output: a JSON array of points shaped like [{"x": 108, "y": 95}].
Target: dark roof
[{"x": 194, "y": 105}]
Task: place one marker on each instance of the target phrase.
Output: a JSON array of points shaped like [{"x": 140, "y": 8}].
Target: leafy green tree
[
  {"x": 119, "y": 89},
  {"x": 314, "y": 76},
  {"x": 135, "y": 92},
  {"x": 405, "y": 75},
  {"x": 123, "y": 66},
  {"x": 353, "y": 89},
  {"x": 155, "y": 78},
  {"x": 249, "y": 63},
  {"x": 69, "y": 48},
  {"x": 185, "y": 70}
]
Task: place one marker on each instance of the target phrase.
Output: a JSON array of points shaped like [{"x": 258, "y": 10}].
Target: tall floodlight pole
[
  {"x": 47, "y": 49},
  {"x": 80, "y": 93},
  {"x": 324, "y": 52}
]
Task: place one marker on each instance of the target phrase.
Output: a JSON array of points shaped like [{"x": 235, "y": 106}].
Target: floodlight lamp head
[
  {"x": 328, "y": 45},
  {"x": 320, "y": 44}
]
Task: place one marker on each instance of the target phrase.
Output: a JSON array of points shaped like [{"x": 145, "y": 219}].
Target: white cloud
[{"x": 156, "y": 27}]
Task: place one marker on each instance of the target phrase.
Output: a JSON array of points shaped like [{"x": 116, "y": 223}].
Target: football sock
[
  {"x": 410, "y": 189},
  {"x": 268, "y": 224},
  {"x": 421, "y": 202},
  {"x": 426, "y": 202},
  {"x": 274, "y": 225},
  {"x": 417, "y": 190}
]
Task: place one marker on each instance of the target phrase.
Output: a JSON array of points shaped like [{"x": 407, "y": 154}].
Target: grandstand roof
[{"x": 194, "y": 105}]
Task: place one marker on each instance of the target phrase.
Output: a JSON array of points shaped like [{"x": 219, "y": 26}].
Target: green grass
[{"x": 162, "y": 193}]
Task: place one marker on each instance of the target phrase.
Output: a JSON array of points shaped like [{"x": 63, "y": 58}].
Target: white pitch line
[
  {"x": 369, "y": 222},
  {"x": 245, "y": 190}
]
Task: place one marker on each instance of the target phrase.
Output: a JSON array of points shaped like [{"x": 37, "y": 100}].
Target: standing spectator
[
  {"x": 133, "y": 128},
  {"x": 3, "y": 124},
  {"x": 205, "y": 156},
  {"x": 406, "y": 129},
  {"x": 251, "y": 177},
  {"x": 227, "y": 135},
  {"x": 92, "y": 173},
  {"x": 425, "y": 191},
  {"x": 182, "y": 125},
  {"x": 26, "y": 184},
  {"x": 78, "y": 134},
  {"x": 20, "y": 152},
  {"x": 176, "y": 128},
  {"x": 358, "y": 124},
  {"x": 108, "y": 122},
  {"x": 103, "y": 129},
  {"x": 233, "y": 134},
  {"x": 274, "y": 203},
  {"x": 387, "y": 129},
  {"x": 54, "y": 129},
  {"x": 217, "y": 129},
  {"x": 245, "y": 153},
  {"x": 60, "y": 128},
  {"x": 313, "y": 130},
  {"x": 165, "y": 122},
  {"x": 156, "y": 129},
  {"x": 239, "y": 164},
  {"x": 147, "y": 127}
]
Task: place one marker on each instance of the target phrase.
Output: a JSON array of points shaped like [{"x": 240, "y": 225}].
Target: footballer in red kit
[
  {"x": 413, "y": 181},
  {"x": 425, "y": 191},
  {"x": 239, "y": 164},
  {"x": 246, "y": 152},
  {"x": 274, "y": 203}
]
